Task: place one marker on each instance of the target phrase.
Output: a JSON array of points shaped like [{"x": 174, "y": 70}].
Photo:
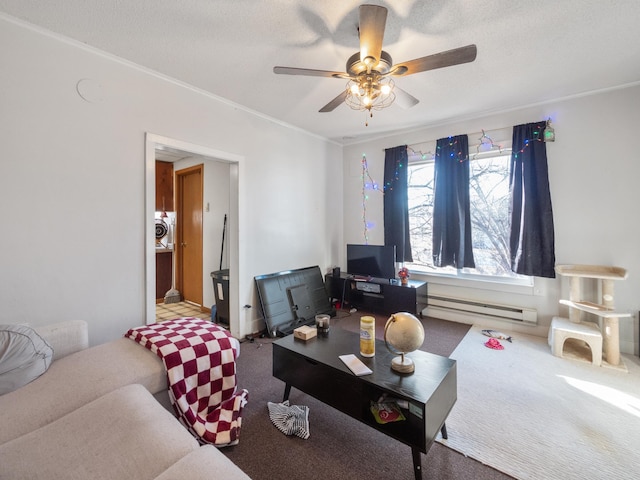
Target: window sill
[{"x": 524, "y": 286}]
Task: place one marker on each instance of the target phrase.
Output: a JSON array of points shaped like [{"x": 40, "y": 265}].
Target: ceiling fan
[{"x": 369, "y": 72}]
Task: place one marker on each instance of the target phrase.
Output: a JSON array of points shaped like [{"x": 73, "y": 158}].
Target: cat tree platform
[
  {"x": 563, "y": 329},
  {"x": 604, "y": 340}
]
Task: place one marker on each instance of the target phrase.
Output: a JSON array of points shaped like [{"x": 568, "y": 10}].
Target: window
[{"x": 489, "y": 199}]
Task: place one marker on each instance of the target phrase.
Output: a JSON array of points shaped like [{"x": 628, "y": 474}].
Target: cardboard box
[{"x": 305, "y": 332}]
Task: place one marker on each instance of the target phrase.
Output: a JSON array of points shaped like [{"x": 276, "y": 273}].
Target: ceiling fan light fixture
[
  {"x": 369, "y": 92},
  {"x": 369, "y": 70}
]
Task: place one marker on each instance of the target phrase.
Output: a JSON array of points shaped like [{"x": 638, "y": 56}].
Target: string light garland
[
  {"x": 538, "y": 136},
  {"x": 546, "y": 133},
  {"x": 372, "y": 185},
  {"x": 459, "y": 154},
  {"x": 421, "y": 154},
  {"x": 396, "y": 176},
  {"x": 486, "y": 140},
  {"x": 543, "y": 133}
]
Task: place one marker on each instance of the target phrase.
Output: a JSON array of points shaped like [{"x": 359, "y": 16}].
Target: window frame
[{"x": 521, "y": 283}]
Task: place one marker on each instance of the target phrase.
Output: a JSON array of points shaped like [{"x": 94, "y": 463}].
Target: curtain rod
[
  {"x": 482, "y": 137},
  {"x": 481, "y": 134}
]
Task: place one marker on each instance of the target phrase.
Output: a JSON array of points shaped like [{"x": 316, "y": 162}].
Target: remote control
[{"x": 355, "y": 365}]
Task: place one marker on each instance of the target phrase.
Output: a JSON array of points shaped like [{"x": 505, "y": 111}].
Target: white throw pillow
[{"x": 24, "y": 356}]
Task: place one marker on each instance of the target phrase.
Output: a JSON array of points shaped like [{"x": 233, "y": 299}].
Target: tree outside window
[{"x": 489, "y": 197}]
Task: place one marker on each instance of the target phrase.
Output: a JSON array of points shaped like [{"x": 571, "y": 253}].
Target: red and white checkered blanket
[{"x": 201, "y": 368}]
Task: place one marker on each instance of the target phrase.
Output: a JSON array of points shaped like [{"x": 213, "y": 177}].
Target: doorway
[
  {"x": 188, "y": 242},
  {"x": 207, "y": 157}
]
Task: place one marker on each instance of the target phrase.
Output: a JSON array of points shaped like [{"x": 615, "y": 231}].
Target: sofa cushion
[
  {"x": 24, "y": 356},
  {"x": 78, "y": 379},
  {"x": 65, "y": 337},
  {"x": 123, "y": 434},
  {"x": 205, "y": 463}
]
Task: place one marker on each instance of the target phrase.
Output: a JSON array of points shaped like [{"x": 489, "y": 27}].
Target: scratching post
[
  {"x": 611, "y": 329},
  {"x": 608, "y": 334},
  {"x": 575, "y": 286}
]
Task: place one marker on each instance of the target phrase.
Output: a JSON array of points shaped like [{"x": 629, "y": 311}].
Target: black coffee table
[{"x": 314, "y": 368}]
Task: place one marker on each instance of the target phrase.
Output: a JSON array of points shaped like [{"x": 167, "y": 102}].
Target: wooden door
[{"x": 188, "y": 246}]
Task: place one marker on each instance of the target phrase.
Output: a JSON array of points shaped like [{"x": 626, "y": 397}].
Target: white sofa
[{"x": 100, "y": 413}]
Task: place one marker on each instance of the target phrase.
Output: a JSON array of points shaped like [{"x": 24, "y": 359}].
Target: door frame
[{"x": 155, "y": 142}]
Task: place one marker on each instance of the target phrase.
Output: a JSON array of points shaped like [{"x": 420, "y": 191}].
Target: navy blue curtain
[
  {"x": 396, "y": 202},
  {"x": 532, "y": 235},
  {"x": 451, "y": 216}
]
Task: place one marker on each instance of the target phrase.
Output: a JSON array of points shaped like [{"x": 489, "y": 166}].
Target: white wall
[
  {"x": 72, "y": 186},
  {"x": 594, "y": 167}
]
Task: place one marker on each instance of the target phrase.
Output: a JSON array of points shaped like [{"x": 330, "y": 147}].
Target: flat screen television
[
  {"x": 292, "y": 298},
  {"x": 378, "y": 261}
]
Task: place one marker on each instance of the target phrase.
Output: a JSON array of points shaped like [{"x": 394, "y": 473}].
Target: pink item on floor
[{"x": 494, "y": 344}]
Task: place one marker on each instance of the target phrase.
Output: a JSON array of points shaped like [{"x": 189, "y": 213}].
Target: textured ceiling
[{"x": 528, "y": 52}]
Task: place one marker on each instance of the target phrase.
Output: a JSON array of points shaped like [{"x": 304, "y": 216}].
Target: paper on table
[{"x": 355, "y": 365}]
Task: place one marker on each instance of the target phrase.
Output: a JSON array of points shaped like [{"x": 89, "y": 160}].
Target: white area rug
[{"x": 535, "y": 416}]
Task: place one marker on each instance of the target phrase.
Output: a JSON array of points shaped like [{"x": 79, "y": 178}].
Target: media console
[{"x": 378, "y": 295}]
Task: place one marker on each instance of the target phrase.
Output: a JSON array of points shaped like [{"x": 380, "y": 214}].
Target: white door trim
[{"x": 153, "y": 142}]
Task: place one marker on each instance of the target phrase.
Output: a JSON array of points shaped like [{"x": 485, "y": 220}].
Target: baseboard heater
[{"x": 438, "y": 304}]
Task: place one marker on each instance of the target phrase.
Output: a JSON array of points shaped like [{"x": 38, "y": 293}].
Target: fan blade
[
  {"x": 439, "y": 60},
  {"x": 403, "y": 99},
  {"x": 372, "y": 22},
  {"x": 309, "y": 72},
  {"x": 329, "y": 107}
]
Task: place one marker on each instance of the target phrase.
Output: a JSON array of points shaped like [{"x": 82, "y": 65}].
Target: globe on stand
[{"x": 403, "y": 333}]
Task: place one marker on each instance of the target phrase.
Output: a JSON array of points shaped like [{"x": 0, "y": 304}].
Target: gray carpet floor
[{"x": 339, "y": 447}]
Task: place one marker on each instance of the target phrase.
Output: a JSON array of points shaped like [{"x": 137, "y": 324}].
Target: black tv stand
[{"x": 377, "y": 294}]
